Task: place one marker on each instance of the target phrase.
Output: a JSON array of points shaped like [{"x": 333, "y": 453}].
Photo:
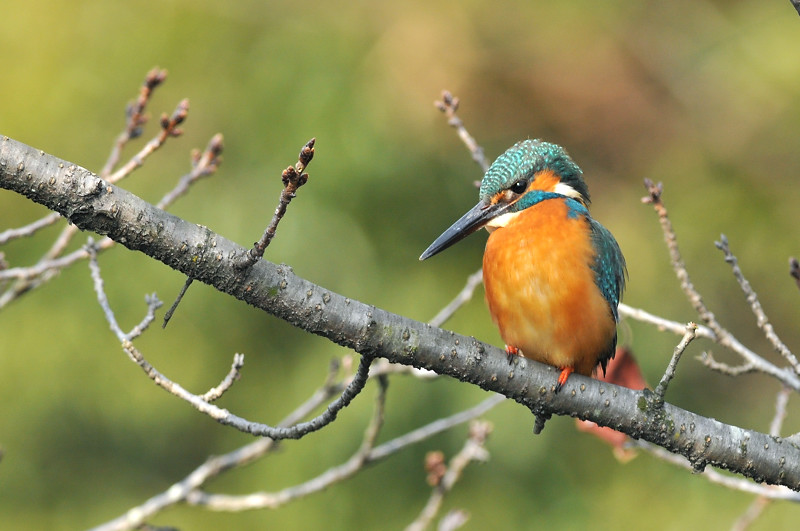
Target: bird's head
[{"x": 527, "y": 173}]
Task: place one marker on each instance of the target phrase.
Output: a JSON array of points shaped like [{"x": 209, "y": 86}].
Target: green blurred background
[{"x": 702, "y": 95}]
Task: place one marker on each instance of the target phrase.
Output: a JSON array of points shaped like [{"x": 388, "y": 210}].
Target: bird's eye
[{"x": 519, "y": 186}]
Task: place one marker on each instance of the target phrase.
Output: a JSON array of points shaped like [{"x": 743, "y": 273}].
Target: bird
[{"x": 553, "y": 276}]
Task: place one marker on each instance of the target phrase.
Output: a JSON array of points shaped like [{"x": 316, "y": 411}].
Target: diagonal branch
[
  {"x": 761, "y": 317},
  {"x": 449, "y": 106},
  {"x": 93, "y": 204},
  {"x": 721, "y": 335}
]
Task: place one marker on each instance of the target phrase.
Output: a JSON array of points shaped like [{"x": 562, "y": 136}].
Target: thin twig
[
  {"x": 781, "y": 401},
  {"x": 464, "y": 296},
  {"x": 216, "y": 465},
  {"x": 204, "y": 163},
  {"x": 662, "y": 324},
  {"x": 97, "y": 279},
  {"x": 233, "y": 375},
  {"x": 761, "y": 317},
  {"x": 223, "y": 502},
  {"x": 136, "y": 118},
  {"x": 178, "y": 299},
  {"x": 751, "y": 514},
  {"x": 273, "y": 500},
  {"x": 257, "y": 429},
  {"x": 449, "y": 106},
  {"x": 29, "y": 229},
  {"x": 661, "y": 389},
  {"x": 655, "y": 198},
  {"x": 437, "y": 426},
  {"x": 753, "y": 362},
  {"x": 153, "y": 304},
  {"x": 707, "y": 359},
  {"x": 221, "y": 415},
  {"x": 169, "y": 128},
  {"x": 152, "y": 301},
  {"x": 293, "y": 178},
  {"x": 474, "y": 450},
  {"x": 722, "y": 336}
]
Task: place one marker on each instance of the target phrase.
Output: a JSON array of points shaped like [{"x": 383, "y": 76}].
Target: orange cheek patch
[{"x": 545, "y": 180}]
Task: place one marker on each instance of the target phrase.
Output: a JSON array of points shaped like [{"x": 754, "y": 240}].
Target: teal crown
[{"x": 527, "y": 158}]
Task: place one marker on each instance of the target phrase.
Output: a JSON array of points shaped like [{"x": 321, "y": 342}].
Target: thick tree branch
[{"x": 93, "y": 204}]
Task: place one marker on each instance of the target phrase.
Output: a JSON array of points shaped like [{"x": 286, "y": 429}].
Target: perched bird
[{"x": 553, "y": 275}]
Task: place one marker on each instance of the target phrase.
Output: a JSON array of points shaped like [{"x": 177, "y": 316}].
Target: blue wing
[
  {"x": 609, "y": 275},
  {"x": 609, "y": 265}
]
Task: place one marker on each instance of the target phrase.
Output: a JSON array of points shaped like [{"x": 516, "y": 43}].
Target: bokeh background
[{"x": 702, "y": 95}]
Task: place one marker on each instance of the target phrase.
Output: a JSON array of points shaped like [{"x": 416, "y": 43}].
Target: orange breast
[{"x": 541, "y": 291}]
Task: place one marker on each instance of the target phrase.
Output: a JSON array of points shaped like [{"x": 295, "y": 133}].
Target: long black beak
[{"x": 476, "y": 218}]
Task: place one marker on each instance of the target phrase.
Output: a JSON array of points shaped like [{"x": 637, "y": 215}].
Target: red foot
[
  {"x": 562, "y": 378},
  {"x": 511, "y": 351}
]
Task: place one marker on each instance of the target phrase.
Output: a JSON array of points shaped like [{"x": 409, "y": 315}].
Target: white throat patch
[{"x": 501, "y": 221}]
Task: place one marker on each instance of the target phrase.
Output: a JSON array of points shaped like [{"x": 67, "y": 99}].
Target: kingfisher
[{"x": 553, "y": 275}]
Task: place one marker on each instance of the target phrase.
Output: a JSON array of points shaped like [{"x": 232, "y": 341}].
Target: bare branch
[
  {"x": 754, "y": 361},
  {"x": 449, "y": 105},
  {"x": 188, "y": 486},
  {"x": 171, "y": 310},
  {"x": 655, "y": 192},
  {"x": 92, "y": 204},
  {"x": 169, "y": 128},
  {"x": 223, "y": 502},
  {"x": 761, "y": 317},
  {"x": 781, "y": 401},
  {"x": 216, "y": 465},
  {"x": 153, "y": 304},
  {"x": 293, "y": 178},
  {"x": 265, "y": 500},
  {"x": 226, "y": 418},
  {"x": 437, "y": 426},
  {"x": 707, "y": 359},
  {"x": 752, "y": 513},
  {"x": 29, "y": 229},
  {"x": 136, "y": 118},
  {"x": 463, "y": 297},
  {"x": 235, "y": 373},
  {"x": 94, "y": 267},
  {"x": 661, "y": 389},
  {"x": 662, "y": 324},
  {"x": 757, "y": 507},
  {"x": 722, "y": 336},
  {"x": 203, "y": 165},
  {"x": 201, "y": 403},
  {"x": 473, "y": 450}
]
